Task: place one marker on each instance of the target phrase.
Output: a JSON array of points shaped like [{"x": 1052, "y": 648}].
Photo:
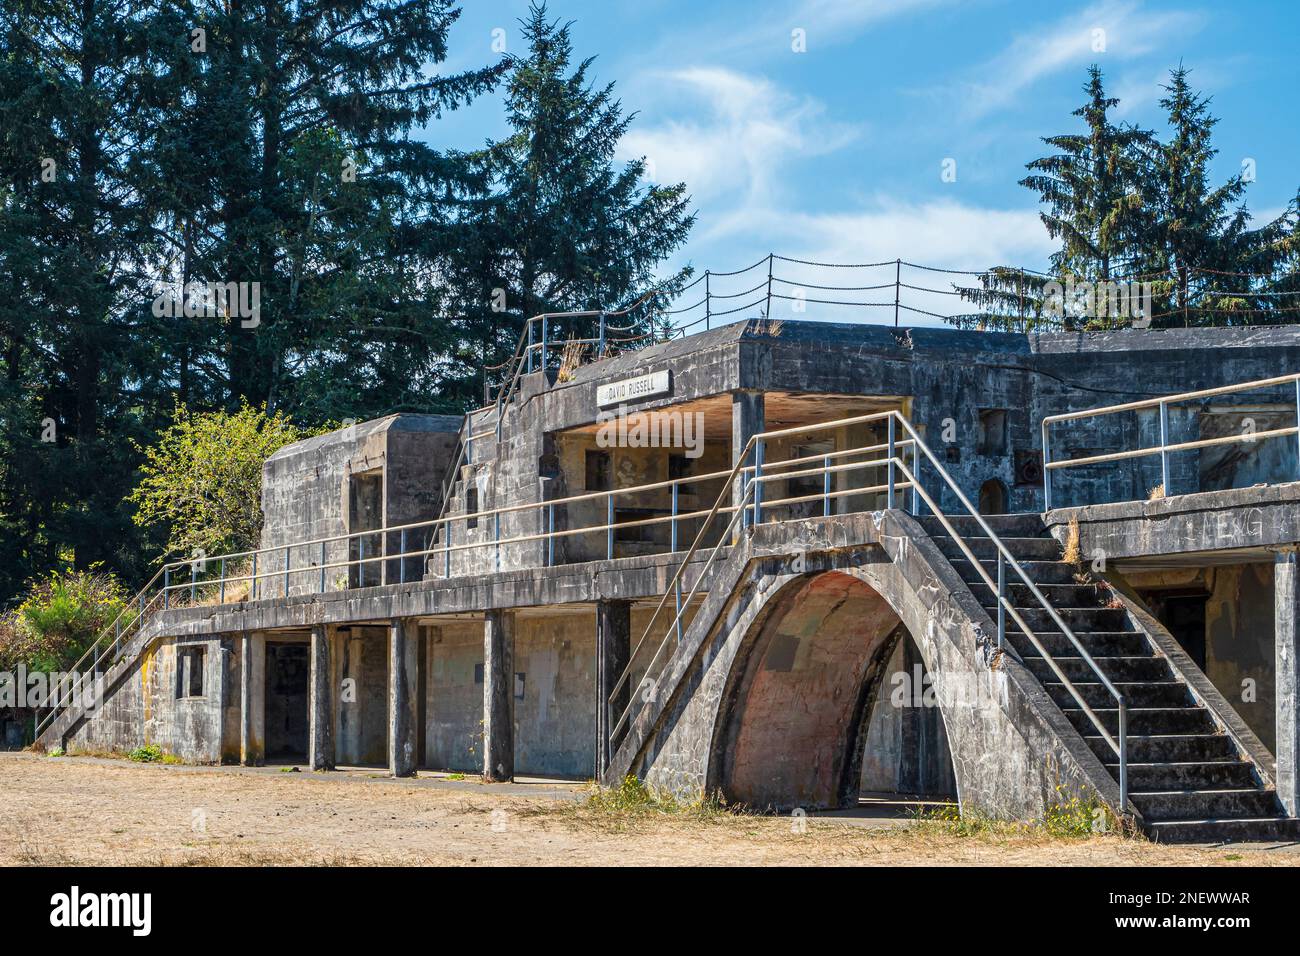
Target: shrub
[{"x": 60, "y": 617}]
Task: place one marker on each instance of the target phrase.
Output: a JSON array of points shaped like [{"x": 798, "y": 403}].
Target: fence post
[
  {"x": 167, "y": 580},
  {"x": 708, "y": 306},
  {"x": 758, "y": 482},
  {"x": 286, "y": 570},
  {"x": 550, "y": 535},
  {"x": 529, "y": 349},
  {"x": 601, "y": 352},
  {"x": 609, "y": 526},
  {"x": 898, "y": 279},
  {"x": 194, "y": 579},
  {"x": 546, "y": 328},
  {"x": 401, "y": 567},
  {"x": 322, "y": 567},
  {"x": 254, "y": 576},
  {"x": 447, "y": 542},
  {"x": 1164, "y": 455},
  {"x": 223, "y": 580},
  {"x": 768, "y": 313},
  {"x": 826, "y": 487},
  {"x": 496, "y": 535}
]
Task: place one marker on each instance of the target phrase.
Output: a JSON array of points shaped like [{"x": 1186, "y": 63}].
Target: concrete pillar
[
  {"x": 747, "y": 414},
  {"x": 498, "y": 696},
  {"x": 613, "y": 648},
  {"x": 320, "y": 733},
  {"x": 252, "y": 699},
  {"x": 402, "y": 689},
  {"x": 1286, "y": 603}
]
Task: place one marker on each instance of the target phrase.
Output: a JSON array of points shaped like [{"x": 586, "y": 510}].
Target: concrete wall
[
  {"x": 148, "y": 705},
  {"x": 454, "y": 697},
  {"x": 555, "y": 702},
  {"x": 359, "y": 658}
]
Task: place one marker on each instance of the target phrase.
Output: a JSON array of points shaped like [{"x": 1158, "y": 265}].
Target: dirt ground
[{"x": 83, "y": 810}]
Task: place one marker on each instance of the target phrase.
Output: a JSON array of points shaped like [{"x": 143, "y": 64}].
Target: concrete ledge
[{"x": 1265, "y": 516}]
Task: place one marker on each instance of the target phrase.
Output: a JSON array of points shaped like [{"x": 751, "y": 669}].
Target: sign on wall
[{"x": 633, "y": 389}]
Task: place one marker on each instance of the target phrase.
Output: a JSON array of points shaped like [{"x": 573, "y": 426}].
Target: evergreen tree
[{"x": 567, "y": 228}]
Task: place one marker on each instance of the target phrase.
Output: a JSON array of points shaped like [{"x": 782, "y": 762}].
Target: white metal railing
[
  {"x": 751, "y": 509},
  {"x": 1165, "y": 448}
]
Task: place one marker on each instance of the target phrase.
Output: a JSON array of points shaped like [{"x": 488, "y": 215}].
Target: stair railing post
[
  {"x": 916, "y": 481},
  {"x": 898, "y": 280},
  {"x": 447, "y": 548},
  {"x": 167, "y": 580},
  {"x": 890, "y": 468},
  {"x": 1164, "y": 453},
  {"x": 601, "y": 349},
  {"x": 194, "y": 581},
  {"x": 672, "y": 525},
  {"x": 254, "y": 576},
  {"x": 758, "y": 482},
  {"x": 1002, "y": 594},
  {"x": 286, "y": 571},
  {"x": 609, "y": 526},
  {"x": 496, "y": 535},
  {"x": 550, "y": 535},
  {"x": 1047, "y": 471},
  {"x": 401, "y": 568},
  {"x": 223, "y": 580},
  {"x": 826, "y": 487},
  {"x": 322, "y": 567},
  {"x": 529, "y": 350},
  {"x": 1297, "y": 425},
  {"x": 1123, "y": 758},
  {"x": 546, "y": 329}
]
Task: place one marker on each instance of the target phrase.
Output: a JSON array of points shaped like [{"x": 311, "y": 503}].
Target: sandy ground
[{"x": 82, "y": 810}]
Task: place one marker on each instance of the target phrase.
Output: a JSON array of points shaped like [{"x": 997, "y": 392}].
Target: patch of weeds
[
  {"x": 951, "y": 820},
  {"x": 1232, "y": 856},
  {"x": 149, "y": 753},
  {"x": 634, "y": 802},
  {"x": 55, "y": 751},
  {"x": 171, "y": 759},
  {"x": 455, "y": 776},
  {"x": 1076, "y": 817}
]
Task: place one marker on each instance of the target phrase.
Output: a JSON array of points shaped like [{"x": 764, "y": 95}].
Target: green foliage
[
  {"x": 60, "y": 616},
  {"x": 202, "y": 478},
  {"x": 632, "y": 799},
  {"x": 55, "y": 751},
  {"x": 149, "y": 753}
]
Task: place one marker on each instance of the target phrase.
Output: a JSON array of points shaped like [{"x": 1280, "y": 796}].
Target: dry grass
[
  {"x": 83, "y": 811},
  {"x": 1156, "y": 493},
  {"x": 571, "y": 359},
  {"x": 1072, "y": 554}
]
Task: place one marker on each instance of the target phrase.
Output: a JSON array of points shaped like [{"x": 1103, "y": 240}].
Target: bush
[
  {"x": 60, "y": 617},
  {"x": 149, "y": 753}
]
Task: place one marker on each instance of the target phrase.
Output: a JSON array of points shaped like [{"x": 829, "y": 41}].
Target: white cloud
[
  {"x": 1125, "y": 30},
  {"x": 747, "y": 131}
]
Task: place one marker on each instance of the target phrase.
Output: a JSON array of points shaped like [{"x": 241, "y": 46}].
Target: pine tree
[
  {"x": 1093, "y": 188},
  {"x": 567, "y": 228}
]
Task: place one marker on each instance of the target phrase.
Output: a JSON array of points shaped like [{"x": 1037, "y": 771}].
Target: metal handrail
[
  {"x": 751, "y": 503},
  {"x": 1165, "y": 447}
]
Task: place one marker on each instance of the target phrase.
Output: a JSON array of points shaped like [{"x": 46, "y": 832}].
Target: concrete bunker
[{"x": 810, "y": 694}]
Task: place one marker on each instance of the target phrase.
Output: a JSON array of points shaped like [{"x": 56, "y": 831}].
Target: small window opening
[
  {"x": 189, "y": 671},
  {"x": 598, "y": 471},
  {"x": 993, "y": 431}
]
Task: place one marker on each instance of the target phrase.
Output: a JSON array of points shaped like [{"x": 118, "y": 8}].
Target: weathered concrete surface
[
  {"x": 320, "y": 738},
  {"x": 1235, "y": 519},
  {"x": 1014, "y": 753},
  {"x": 498, "y": 696},
  {"x": 1287, "y": 596},
  {"x": 613, "y": 646},
  {"x": 252, "y": 699},
  {"x": 402, "y": 757}
]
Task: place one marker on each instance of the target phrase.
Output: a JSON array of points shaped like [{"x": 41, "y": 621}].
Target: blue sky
[{"x": 836, "y": 153}]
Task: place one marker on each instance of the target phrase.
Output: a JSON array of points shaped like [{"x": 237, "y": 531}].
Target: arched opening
[
  {"x": 806, "y": 686},
  {"x": 994, "y": 497}
]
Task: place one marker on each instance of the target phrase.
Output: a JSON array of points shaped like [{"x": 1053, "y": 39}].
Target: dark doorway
[
  {"x": 993, "y": 497},
  {"x": 365, "y": 513},
  {"x": 287, "y": 669},
  {"x": 1183, "y": 616}
]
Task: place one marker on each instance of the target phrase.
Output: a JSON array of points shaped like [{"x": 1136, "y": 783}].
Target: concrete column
[
  {"x": 320, "y": 733},
  {"x": 402, "y": 688},
  {"x": 613, "y": 648},
  {"x": 498, "y": 696},
  {"x": 252, "y": 699},
  {"x": 747, "y": 414},
  {"x": 1286, "y": 602}
]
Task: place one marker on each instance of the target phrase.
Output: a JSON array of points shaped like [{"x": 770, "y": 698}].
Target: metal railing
[
  {"x": 106, "y": 649},
  {"x": 752, "y": 508},
  {"x": 1165, "y": 448}
]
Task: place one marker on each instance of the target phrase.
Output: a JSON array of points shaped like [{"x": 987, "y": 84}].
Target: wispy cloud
[
  {"x": 1114, "y": 28},
  {"x": 745, "y": 130}
]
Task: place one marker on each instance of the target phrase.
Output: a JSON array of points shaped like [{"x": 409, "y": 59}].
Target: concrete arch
[
  {"x": 1013, "y": 752},
  {"x": 790, "y": 722}
]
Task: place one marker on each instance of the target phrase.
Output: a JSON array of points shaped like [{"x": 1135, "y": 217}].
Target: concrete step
[
  {"x": 1145, "y": 720},
  {"x": 1096, "y": 643},
  {"x": 1166, "y": 748},
  {"x": 1190, "y": 775},
  {"x": 1022, "y": 549},
  {"x": 1206, "y": 804},
  {"x": 1077, "y": 619},
  {"x": 1126, "y": 669},
  {"x": 1014, "y": 526},
  {"x": 1040, "y": 572},
  {"x": 1169, "y": 693},
  {"x": 1260, "y": 829},
  {"x": 1057, "y": 595}
]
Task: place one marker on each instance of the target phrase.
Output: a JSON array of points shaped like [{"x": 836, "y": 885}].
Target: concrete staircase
[{"x": 1189, "y": 778}]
